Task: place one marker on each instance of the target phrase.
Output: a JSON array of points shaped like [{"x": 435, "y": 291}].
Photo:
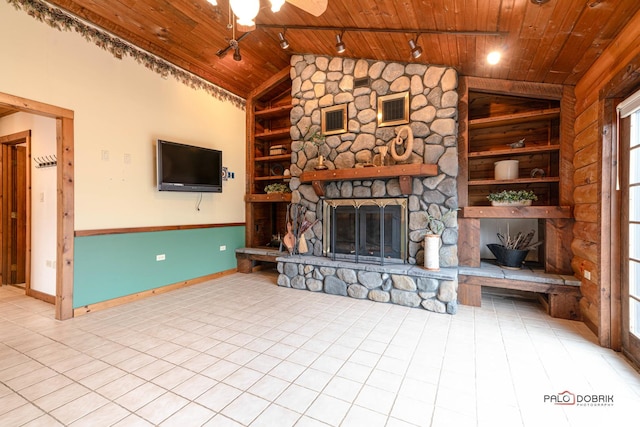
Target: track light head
[
  {"x": 539, "y": 1},
  {"x": 416, "y": 51},
  {"x": 284, "y": 43},
  {"x": 340, "y": 47},
  {"x": 236, "y": 54}
]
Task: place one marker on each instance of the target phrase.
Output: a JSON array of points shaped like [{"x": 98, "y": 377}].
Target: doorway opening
[{"x": 65, "y": 193}]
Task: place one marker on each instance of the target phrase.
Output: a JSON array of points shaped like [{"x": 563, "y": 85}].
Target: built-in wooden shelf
[
  {"x": 273, "y": 158},
  {"x": 404, "y": 172},
  {"x": 268, "y": 198},
  {"x": 517, "y": 118},
  {"x": 533, "y": 212},
  {"x": 274, "y": 134},
  {"x": 273, "y": 112},
  {"x": 514, "y": 151},
  {"x": 271, "y": 178},
  {"x": 512, "y": 181}
]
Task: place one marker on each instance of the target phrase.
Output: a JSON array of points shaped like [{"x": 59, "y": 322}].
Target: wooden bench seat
[
  {"x": 560, "y": 294},
  {"x": 247, "y": 257}
]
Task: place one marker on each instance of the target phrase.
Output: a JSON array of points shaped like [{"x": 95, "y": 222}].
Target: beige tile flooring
[{"x": 242, "y": 351}]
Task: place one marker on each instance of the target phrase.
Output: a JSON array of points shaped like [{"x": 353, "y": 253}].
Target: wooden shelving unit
[
  {"x": 493, "y": 115},
  {"x": 268, "y": 126}
]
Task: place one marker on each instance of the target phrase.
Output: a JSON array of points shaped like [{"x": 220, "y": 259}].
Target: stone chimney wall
[{"x": 321, "y": 81}]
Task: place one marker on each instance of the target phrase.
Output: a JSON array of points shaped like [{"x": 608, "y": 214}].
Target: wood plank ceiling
[{"x": 555, "y": 42}]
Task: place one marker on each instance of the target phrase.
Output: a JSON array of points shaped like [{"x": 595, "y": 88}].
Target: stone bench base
[{"x": 402, "y": 284}]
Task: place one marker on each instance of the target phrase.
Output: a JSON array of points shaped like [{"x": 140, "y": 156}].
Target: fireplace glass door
[{"x": 366, "y": 230}]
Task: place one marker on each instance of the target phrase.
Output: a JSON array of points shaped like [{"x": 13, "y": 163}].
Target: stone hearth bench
[
  {"x": 246, "y": 257},
  {"x": 559, "y": 294},
  {"x": 402, "y": 284}
]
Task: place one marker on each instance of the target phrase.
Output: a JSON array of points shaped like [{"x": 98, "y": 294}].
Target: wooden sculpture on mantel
[{"x": 398, "y": 141}]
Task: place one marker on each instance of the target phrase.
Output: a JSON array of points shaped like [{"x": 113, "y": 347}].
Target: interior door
[
  {"x": 630, "y": 235},
  {"x": 14, "y": 214}
]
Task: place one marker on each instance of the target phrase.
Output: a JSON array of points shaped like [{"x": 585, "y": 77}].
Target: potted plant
[
  {"x": 316, "y": 137},
  {"x": 511, "y": 251},
  {"x": 435, "y": 227},
  {"x": 512, "y": 198},
  {"x": 277, "y": 187}
]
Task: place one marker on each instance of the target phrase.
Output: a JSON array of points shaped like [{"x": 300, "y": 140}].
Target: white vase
[{"x": 432, "y": 252}]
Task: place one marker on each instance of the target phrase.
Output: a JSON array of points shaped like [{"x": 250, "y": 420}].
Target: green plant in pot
[
  {"x": 277, "y": 187},
  {"x": 512, "y": 198},
  {"x": 512, "y": 250},
  {"x": 315, "y": 137}
]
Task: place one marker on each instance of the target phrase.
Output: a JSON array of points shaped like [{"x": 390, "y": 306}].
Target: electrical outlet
[
  {"x": 127, "y": 158},
  {"x": 161, "y": 257},
  {"x": 587, "y": 274},
  {"x": 104, "y": 155},
  {"x": 223, "y": 248}
]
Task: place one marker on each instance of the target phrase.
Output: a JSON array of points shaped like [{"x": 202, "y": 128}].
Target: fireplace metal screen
[{"x": 365, "y": 230}]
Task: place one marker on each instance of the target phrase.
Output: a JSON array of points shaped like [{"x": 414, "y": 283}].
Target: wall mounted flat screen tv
[{"x": 188, "y": 168}]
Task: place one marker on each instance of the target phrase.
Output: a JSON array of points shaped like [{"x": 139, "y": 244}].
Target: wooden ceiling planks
[{"x": 551, "y": 43}]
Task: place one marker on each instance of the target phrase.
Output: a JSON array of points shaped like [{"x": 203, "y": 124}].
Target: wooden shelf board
[
  {"x": 274, "y": 134},
  {"x": 549, "y": 179},
  {"x": 533, "y": 212},
  {"x": 268, "y": 198},
  {"x": 514, "y": 151},
  {"x": 271, "y": 178},
  {"x": 510, "y": 119},
  {"x": 415, "y": 169},
  {"x": 273, "y": 158},
  {"x": 404, "y": 173},
  {"x": 273, "y": 112}
]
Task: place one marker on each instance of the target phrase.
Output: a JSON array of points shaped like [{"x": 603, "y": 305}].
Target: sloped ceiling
[{"x": 555, "y": 42}]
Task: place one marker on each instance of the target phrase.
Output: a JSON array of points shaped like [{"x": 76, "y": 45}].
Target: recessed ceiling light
[
  {"x": 539, "y": 1},
  {"x": 494, "y": 57}
]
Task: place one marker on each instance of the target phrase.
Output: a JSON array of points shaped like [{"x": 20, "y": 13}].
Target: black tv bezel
[{"x": 185, "y": 187}]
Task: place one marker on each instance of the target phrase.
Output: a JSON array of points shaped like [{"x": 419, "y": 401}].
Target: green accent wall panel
[{"x": 115, "y": 265}]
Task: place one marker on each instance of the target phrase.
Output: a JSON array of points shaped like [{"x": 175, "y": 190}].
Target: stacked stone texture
[
  {"x": 319, "y": 81},
  {"x": 433, "y": 294}
]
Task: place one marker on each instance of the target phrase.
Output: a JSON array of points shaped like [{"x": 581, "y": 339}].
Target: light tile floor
[{"x": 242, "y": 351}]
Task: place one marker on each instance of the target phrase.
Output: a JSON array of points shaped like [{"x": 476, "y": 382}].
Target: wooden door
[
  {"x": 14, "y": 245},
  {"x": 630, "y": 234}
]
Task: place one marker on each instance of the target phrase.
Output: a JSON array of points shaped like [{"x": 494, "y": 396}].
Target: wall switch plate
[
  {"x": 161, "y": 257},
  {"x": 223, "y": 248},
  {"x": 587, "y": 274}
]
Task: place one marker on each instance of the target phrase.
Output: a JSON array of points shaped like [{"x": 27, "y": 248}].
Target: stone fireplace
[{"x": 368, "y": 234}]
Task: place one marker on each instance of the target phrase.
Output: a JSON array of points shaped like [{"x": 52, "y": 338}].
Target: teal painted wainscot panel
[{"x": 116, "y": 265}]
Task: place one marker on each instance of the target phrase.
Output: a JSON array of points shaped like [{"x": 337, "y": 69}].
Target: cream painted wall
[
  {"x": 43, "y": 197},
  {"x": 121, "y": 108}
]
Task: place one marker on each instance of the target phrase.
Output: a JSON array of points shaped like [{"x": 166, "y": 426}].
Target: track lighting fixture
[
  {"x": 284, "y": 44},
  {"x": 340, "y": 47},
  {"x": 236, "y": 54},
  {"x": 416, "y": 51}
]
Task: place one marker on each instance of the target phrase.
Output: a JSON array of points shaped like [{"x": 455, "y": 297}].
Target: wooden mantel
[{"x": 405, "y": 173}]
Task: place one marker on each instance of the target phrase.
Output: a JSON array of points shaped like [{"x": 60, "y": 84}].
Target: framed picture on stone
[
  {"x": 334, "y": 119},
  {"x": 393, "y": 109}
]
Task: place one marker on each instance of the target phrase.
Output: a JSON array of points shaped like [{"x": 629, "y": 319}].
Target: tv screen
[{"x": 188, "y": 168}]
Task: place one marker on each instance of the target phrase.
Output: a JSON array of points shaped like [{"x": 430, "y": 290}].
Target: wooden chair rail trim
[{"x": 107, "y": 231}]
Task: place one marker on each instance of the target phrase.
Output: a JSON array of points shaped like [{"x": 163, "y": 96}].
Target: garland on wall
[{"x": 63, "y": 21}]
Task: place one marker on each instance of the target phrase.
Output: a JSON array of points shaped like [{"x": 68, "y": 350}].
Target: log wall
[{"x": 614, "y": 74}]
